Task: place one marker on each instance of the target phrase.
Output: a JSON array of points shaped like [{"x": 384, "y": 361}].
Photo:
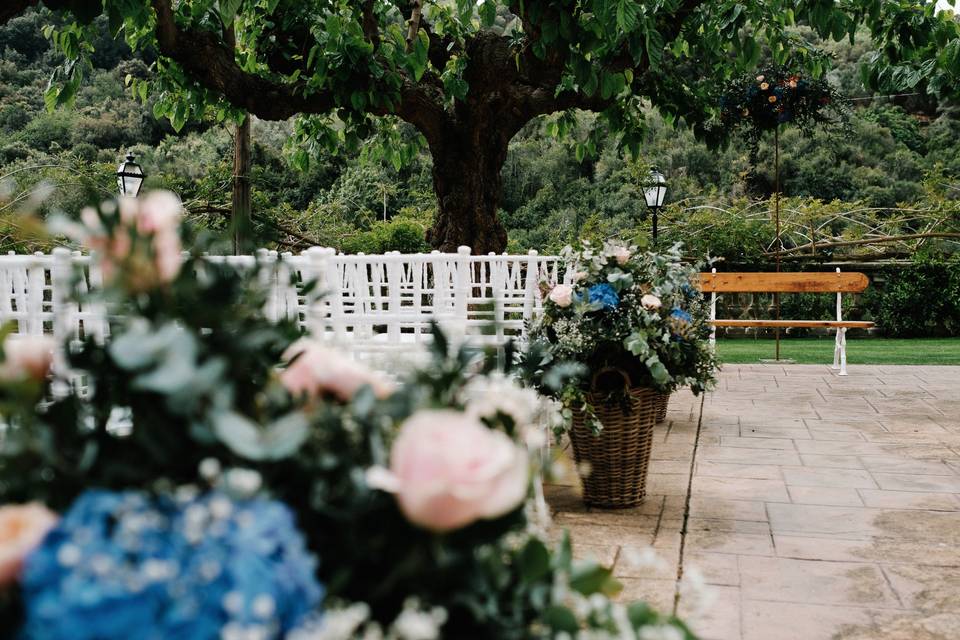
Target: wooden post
[
  {"x": 776, "y": 215},
  {"x": 241, "y": 227}
]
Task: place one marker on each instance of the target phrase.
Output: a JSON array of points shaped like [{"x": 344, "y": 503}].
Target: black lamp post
[
  {"x": 654, "y": 193},
  {"x": 129, "y": 177}
]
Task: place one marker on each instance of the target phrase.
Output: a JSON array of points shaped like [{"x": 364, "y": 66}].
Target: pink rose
[
  {"x": 159, "y": 212},
  {"x": 622, "y": 254},
  {"x": 27, "y": 356},
  {"x": 22, "y": 528},
  {"x": 316, "y": 369},
  {"x": 155, "y": 217},
  {"x": 561, "y": 295},
  {"x": 580, "y": 276},
  {"x": 448, "y": 470},
  {"x": 651, "y": 302}
]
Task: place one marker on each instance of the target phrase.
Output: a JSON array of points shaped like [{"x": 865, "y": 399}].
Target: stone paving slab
[{"x": 822, "y": 507}]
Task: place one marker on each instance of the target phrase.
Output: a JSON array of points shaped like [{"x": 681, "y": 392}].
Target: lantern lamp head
[
  {"x": 129, "y": 177},
  {"x": 655, "y": 190}
]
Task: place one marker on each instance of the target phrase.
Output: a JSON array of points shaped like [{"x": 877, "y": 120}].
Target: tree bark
[
  {"x": 467, "y": 182},
  {"x": 240, "y": 218}
]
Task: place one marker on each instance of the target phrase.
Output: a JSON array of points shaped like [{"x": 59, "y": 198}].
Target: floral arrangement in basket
[
  {"x": 758, "y": 102},
  {"x": 640, "y": 313},
  {"x": 207, "y": 473}
]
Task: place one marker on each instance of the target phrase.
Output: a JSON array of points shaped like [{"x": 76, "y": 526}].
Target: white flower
[
  {"x": 335, "y": 624},
  {"x": 651, "y": 302},
  {"x": 243, "y": 483},
  {"x": 660, "y": 632},
  {"x": 414, "y": 624},
  {"x": 645, "y": 559},
  {"x": 486, "y": 396},
  {"x": 695, "y": 593},
  {"x": 561, "y": 295}
]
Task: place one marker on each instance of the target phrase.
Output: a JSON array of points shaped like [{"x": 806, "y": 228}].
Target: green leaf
[
  {"x": 561, "y": 618},
  {"x": 628, "y": 12},
  {"x": 488, "y": 13},
  {"x": 591, "y": 578},
  {"x": 228, "y": 10},
  {"x": 534, "y": 561},
  {"x": 279, "y": 440}
]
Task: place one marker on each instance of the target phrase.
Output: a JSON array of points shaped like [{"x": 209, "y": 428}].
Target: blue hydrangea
[
  {"x": 681, "y": 315},
  {"x": 128, "y": 565},
  {"x": 604, "y": 295}
]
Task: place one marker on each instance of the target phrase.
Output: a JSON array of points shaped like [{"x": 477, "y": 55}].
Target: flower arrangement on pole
[
  {"x": 775, "y": 96},
  {"x": 208, "y": 473},
  {"x": 637, "y": 324}
]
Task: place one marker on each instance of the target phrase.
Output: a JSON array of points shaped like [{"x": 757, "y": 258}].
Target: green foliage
[{"x": 920, "y": 300}]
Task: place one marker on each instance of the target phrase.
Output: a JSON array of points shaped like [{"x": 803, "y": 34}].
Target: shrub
[{"x": 920, "y": 300}]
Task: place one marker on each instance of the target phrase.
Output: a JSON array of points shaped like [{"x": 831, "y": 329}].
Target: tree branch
[
  {"x": 213, "y": 64},
  {"x": 852, "y": 243},
  {"x": 370, "y": 28},
  {"x": 414, "y": 23}
]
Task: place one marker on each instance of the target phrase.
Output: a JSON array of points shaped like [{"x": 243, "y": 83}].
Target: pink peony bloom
[
  {"x": 157, "y": 217},
  {"x": 580, "y": 276},
  {"x": 622, "y": 254},
  {"x": 27, "y": 356},
  {"x": 316, "y": 369},
  {"x": 22, "y": 528},
  {"x": 651, "y": 302},
  {"x": 159, "y": 212},
  {"x": 561, "y": 295},
  {"x": 449, "y": 470}
]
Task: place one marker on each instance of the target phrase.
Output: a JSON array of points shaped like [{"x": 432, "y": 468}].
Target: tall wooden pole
[
  {"x": 240, "y": 220},
  {"x": 241, "y": 227},
  {"x": 776, "y": 216}
]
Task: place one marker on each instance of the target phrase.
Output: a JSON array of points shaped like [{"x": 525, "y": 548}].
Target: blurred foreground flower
[
  {"x": 123, "y": 564},
  {"x": 26, "y": 356},
  {"x": 22, "y": 528},
  {"x": 138, "y": 241},
  {"x": 449, "y": 470},
  {"x": 315, "y": 369}
]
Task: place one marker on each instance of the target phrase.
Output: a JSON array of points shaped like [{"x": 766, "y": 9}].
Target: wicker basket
[
  {"x": 663, "y": 399},
  {"x": 614, "y": 464}
]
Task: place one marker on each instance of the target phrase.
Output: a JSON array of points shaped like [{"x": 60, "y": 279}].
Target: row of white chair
[{"x": 379, "y": 307}]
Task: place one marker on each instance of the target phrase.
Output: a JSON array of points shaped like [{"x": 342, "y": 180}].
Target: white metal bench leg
[
  {"x": 836, "y": 349},
  {"x": 843, "y": 351},
  {"x": 713, "y": 316}
]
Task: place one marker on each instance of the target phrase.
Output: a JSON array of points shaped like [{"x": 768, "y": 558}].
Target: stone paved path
[{"x": 822, "y": 507}]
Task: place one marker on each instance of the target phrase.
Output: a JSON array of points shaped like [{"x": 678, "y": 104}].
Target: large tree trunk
[
  {"x": 466, "y": 179},
  {"x": 241, "y": 218}
]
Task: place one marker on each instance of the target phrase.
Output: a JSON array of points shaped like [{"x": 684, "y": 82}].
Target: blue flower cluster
[
  {"x": 681, "y": 323},
  {"x": 604, "y": 295},
  {"x": 129, "y": 565}
]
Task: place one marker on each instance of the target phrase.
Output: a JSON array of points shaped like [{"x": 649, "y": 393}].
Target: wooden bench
[{"x": 815, "y": 282}]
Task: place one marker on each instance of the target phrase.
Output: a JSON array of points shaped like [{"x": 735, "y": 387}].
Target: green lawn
[{"x": 859, "y": 351}]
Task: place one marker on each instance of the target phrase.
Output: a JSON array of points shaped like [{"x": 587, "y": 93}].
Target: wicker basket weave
[
  {"x": 663, "y": 399},
  {"x": 614, "y": 464}
]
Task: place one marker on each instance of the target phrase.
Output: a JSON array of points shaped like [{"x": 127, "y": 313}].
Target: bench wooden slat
[
  {"x": 847, "y": 324},
  {"x": 792, "y": 282}
]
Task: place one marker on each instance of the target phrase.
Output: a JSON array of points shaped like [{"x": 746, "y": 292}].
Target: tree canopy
[{"x": 468, "y": 75}]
